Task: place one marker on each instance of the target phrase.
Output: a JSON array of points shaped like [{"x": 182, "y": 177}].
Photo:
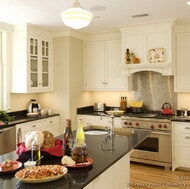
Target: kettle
[
  {"x": 166, "y": 109},
  {"x": 34, "y": 106}
]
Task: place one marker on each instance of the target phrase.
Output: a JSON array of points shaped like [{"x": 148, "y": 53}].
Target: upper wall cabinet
[
  {"x": 32, "y": 60},
  {"x": 102, "y": 66},
  {"x": 152, "y": 44},
  {"x": 182, "y": 61}
]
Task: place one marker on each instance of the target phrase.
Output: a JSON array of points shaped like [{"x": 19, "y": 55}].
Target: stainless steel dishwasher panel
[{"x": 7, "y": 140}]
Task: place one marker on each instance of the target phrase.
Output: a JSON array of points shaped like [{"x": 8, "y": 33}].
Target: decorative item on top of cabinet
[
  {"x": 128, "y": 57},
  {"x": 140, "y": 38},
  {"x": 32, "y": 60},
  {"x": 156, "y": 55}
]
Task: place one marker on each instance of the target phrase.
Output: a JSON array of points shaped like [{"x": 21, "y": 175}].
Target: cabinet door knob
[
  {"x": 187, "y": 137},
  {"x": 187, "y": 127},
  {"x": 33, "y": 125}
]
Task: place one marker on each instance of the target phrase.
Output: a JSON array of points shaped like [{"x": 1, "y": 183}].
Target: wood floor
[{"x": 149, "y": 176}]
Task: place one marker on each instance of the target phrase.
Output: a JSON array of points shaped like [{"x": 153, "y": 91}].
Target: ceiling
[{"x": 46, "y": 13}]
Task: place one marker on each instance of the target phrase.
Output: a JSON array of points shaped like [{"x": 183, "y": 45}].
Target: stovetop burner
[
  {"x": 164, "y": 116},
  {"x": 150, "y": 115}
]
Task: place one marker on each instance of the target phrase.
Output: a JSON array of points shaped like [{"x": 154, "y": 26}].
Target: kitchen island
[{"x": 108, "y": 154}]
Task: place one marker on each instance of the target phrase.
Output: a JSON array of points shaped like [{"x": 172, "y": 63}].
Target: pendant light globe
[{"x": 76, "y": 17}]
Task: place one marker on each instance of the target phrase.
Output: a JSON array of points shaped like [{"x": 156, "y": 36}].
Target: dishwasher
[{"x": 7, "y": 140}]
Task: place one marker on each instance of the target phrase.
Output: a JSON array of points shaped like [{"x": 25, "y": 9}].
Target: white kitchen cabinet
[
  {"x": 102, "y": 66},
  {"x": 115, "y": 177},
  {"x": 32, "y": 60},
  {"x": 182, "y": 63},
  {"x": 139, "y": 39},
  {"x": 180, "y": 145},
  {"x": 97, "y": 121},
  {"x": 50, "y": 124}
]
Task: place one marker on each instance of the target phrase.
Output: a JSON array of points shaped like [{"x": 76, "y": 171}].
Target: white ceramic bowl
[{"x": 30, "y": 164}]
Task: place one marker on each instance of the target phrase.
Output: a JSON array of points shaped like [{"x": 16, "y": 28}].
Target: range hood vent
[{"x": 163, "y": 68}]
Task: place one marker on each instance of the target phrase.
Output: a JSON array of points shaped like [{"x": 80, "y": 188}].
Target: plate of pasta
[{"x": 40, "y": 174}]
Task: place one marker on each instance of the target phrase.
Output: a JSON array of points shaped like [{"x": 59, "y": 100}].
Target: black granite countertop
[
  {"x": 78, "y": 178},
  {"x": 21, "y": 117}
]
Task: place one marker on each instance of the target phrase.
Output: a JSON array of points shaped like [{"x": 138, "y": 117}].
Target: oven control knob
[
  {"x": 130, "y": 123},
  {"x": 160, "y": 126},
  {"x": 125, "y": 123},
  {"x": 165, "y": 126},
  {"x": 152, "y": 126},
  {"x": 137, "y": 124}
]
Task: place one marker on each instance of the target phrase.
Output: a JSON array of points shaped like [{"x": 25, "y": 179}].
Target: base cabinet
[
  {"x": 180, "y": 145},
  {"x": 115, "y": 177},
  {"x": 96, "y": 120},
  {"x": 49, "y": 124}
]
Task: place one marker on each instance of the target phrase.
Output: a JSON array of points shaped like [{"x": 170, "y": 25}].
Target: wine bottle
[
  {"x": 36, "y": 151},
  {"x": 67, "y": 138},
  {"x": 80, "y": 137}
]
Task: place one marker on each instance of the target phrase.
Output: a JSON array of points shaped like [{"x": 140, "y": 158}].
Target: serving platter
[
  {"x": 16, "y": 165},
  {"x": 19, "y": 174},
  {"x": 89, "y": 162}
]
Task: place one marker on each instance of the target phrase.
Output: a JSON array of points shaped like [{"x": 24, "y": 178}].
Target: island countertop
[{"x": 114, "y": 148}]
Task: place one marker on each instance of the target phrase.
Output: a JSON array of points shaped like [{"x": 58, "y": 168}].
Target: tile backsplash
[{"x": 154, "y": 89}]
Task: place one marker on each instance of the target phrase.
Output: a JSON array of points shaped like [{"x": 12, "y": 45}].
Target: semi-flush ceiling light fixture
[
  {"x": 76, "y": 17},
  {"x": 188, "y": 2}
]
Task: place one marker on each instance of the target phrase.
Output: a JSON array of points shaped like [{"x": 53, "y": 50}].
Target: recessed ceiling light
[
  {"x": 98, "y": 8},
  {"x": 139, "y": 15},
  {"x": 188, "y": 2}
]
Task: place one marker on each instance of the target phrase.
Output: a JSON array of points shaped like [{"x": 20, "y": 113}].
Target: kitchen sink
[
  {"x": 95, "y": 130},
  {"x": 101, "y": 130}
]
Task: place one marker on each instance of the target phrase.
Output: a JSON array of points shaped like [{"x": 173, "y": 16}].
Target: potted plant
[{"x": 5, "y": 118}]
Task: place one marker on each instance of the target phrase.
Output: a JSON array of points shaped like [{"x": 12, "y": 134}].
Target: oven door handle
[{"x": 161, "y": 133}]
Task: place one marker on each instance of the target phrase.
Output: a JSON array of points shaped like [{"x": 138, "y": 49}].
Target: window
[{"x": 5, "y": 58}]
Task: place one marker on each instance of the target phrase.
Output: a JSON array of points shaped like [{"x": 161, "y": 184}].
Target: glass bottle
[
  {"x": 67, "y": 138},
  {"x": 80, "y": 136},
  {"x": 36, "y": 151},
  {"x": 127, "y": 57}
]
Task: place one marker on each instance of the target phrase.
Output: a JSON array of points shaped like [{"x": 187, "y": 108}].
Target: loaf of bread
[{"x": 49, "y": 140}]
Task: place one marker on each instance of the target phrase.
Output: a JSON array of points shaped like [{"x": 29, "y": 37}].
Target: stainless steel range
[{"x": 156, "y": 149}]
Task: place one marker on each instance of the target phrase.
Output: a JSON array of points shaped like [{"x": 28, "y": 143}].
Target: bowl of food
[{"x": 30, "y": 164}]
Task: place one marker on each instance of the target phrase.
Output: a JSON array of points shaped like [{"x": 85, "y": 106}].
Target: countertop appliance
[
  {"x": 7, "y": 140},
  {"x": 167, "y": 109},
  {"x": 99, "y": 107},
  {"x": 155, "y": 149},
  {"x": 33, "y": 106}
]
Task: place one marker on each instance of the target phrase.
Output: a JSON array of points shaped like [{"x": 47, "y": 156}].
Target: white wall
[
  {"x": 68, "y": 77},
  {"x": 183, "y": 100}
]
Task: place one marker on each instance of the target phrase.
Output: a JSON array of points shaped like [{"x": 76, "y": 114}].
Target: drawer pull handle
[
  {"x": 51, "y": 122},
  {"x": 33, "y": 125},
  {"x": 187, "y": 127},
  {"x": 187, "y": 137}
]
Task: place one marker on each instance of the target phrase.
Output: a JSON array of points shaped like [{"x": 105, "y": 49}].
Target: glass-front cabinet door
[
  {"x": 39, "y": 67},
  {"x": 45, "y": 63},
  {"x": 34, "y": 63}
]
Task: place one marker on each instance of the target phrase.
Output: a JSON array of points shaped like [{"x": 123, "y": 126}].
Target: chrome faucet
[{"x": 111, "y": 130}]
